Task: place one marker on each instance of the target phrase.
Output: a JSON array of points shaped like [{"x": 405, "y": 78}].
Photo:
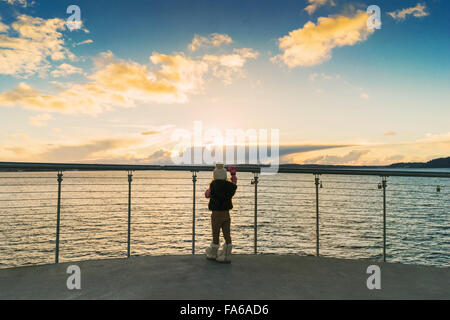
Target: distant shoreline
[{"x": 439, "y": 163}]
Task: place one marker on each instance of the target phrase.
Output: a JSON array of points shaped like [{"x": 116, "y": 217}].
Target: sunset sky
[{"x": 114, "y": 90}]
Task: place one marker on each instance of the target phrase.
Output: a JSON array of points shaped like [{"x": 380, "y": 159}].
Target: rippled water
[{"x": 94, "y": 216}]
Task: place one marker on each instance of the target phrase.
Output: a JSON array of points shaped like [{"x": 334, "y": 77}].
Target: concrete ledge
[{"x": 248, "y": 277}]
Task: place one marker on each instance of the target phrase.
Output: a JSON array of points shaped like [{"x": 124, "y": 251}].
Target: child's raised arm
[{"x": 232, "y": 170}]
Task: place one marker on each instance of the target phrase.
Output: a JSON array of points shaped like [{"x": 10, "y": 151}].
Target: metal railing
[{"x": 20, "y": 171}]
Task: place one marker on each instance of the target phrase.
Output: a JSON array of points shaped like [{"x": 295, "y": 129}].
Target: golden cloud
[
  {"x": 417, "y": 11},
  {"x": 214, "y": 40},
  {"x": 37, "y": 41},
  {"x": 21, "y": 147},
  {"x": 150, "y": 133},
  {"x": 314, "y": 4},
  {"x": 117, "y": 83},
  {"x": 389, "y": 133},
  {"x": 312, "y": 44},
  {"x": 3, "y": 27},
  {"x": 120, "y": 83}
]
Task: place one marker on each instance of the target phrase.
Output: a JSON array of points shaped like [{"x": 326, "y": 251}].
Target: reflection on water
[{"x": 95, "y": 210}]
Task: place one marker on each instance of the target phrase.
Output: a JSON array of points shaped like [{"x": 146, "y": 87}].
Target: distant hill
[{"x": 435, "y": 163}]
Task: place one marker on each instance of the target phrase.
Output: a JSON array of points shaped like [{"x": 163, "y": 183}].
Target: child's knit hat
[{"x": 220, "y": 173}]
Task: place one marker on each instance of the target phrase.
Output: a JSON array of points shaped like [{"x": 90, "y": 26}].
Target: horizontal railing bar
[
  {"x": 265, "y": 185},
  {"x": 32, "y": 229},
  {"x": 418, "y": 191},
  {"x": 152, "y": 204},
  {"x": 26, "y": 185},
  {"x": 26, "y": 214},
  {"x": 350, "y": 181},
  {"x": 92, "y": 205},
  {"x": 96, "y": 184},
  {"x": 351, "y": 195},
  {"x": 416, "y": 207},
  {"x": 419, "y": 185},
  {"x": 164, "y": 190},
  {"x": 276, "y": 192},
  {"x": 340, "y": 209},
  {"x": 102, "y": 211},
  {"x": 29, "y": 207},
  {"x": 268, "y": 180},
  {"x": 67, "y": 176},
  {"x": 246, "y": 168},
  {"x": 326, "y": 200},
  {"x": 97, "y": 191},
  {"x": 49, "y": 241},
  {"x": 324, "y": 206},
  {"x": 407, "y": 198},
  {"x": 41, "y": 199},
  {"x": 358, "y": 189},
  {"x": 19, "y": 177},
  {"x": 26, "y": 192}
]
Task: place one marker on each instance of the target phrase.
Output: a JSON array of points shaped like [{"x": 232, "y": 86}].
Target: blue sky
[{"x": 382, "y": 93}]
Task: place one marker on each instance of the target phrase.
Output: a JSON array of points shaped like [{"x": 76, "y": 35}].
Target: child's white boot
[
  {"x": 211, "y": 252},
  {"x": 224, "y": 255}
]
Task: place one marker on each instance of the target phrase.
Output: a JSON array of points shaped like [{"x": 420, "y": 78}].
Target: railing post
[
  {"x": 255, "y": 182},
  {"x": 317, "y": 183},
  {"x": 130, "y": 179},
  {"x": 58, "y": 216},
  {"x": 384, "y": 185},
  {"x": 194, "y": 182}
]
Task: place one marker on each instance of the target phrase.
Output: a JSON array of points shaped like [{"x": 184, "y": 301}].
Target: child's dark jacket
[{"x": 221, "y": 193}]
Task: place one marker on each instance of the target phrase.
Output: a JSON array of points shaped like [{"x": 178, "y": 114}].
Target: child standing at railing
[{"x": 220, "y": 193}]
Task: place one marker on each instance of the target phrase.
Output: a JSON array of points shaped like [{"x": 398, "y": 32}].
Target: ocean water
[{"x": 94, "y": 215}]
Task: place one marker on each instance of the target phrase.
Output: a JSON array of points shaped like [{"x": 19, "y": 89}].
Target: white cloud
[
  {"x": 83, "y": 42},
  {"x": 324, "y": 76},
  {"x": 313, "y": 44},
  {"x": 364, "y": 95},
  {"x": 23, "y": 3},
  {"x": 314, "y": 4},
  {"x": 214, "y": 40},
  {"x": 65, "y": 70},
  {"x": 34, "y": 41},
  {"x": 227, "y": 66},
  {"x": 436, "y": 137},
  {"x": 417, "y": 11},
  {"x": 40, "y": 120}
]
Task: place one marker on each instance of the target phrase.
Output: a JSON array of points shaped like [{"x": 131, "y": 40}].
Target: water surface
[{"x": 94, "y": 216}]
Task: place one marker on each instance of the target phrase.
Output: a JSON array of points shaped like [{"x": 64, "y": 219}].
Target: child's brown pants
[{"x": 221, "y": 220}]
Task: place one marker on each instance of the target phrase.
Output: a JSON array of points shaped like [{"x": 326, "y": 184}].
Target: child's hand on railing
[{"x": 232, "y": 170}]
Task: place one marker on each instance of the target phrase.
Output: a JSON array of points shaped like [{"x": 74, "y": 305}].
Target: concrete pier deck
[{"x": 248, "y": 277}]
